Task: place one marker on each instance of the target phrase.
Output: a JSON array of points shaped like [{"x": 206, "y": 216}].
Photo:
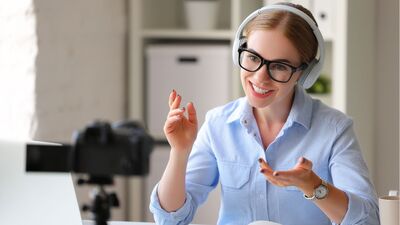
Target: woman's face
[{"x": 259, "y": 88}]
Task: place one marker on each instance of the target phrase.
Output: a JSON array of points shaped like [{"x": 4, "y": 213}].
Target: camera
[{"x": 100, "y": 149}]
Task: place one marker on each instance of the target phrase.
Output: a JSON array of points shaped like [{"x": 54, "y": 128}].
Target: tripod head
[{"x": 102, "y": 202}]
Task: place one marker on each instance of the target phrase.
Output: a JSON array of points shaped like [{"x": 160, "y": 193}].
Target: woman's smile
[{"x": 257, "y": 91}]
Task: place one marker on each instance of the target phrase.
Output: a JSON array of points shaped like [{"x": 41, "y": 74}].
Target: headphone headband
[{"x": 310, "y": 75}]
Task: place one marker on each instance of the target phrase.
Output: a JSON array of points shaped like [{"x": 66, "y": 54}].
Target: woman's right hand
[{"x": 179, "y": 129}]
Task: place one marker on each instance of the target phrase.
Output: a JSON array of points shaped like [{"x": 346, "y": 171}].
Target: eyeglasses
[{"x": 278, "y": 71}]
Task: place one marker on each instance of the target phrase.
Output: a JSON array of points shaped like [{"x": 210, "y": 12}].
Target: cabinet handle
[
  {"x": 187, "y": 59},
  {"x": 322, "y": 15}
]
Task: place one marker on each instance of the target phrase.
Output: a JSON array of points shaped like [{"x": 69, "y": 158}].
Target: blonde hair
[{"x": 295, "y": 28}]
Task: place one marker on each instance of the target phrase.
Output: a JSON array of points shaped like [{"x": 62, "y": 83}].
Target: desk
[{"x": 87, "y": 222}]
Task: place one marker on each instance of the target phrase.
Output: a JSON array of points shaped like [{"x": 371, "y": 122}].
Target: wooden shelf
[{"x": 225, "y": 35}]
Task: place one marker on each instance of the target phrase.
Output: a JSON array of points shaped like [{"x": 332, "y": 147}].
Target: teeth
[{"x": 259, "y": 90}]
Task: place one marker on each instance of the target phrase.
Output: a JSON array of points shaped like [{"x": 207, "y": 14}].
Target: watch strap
[{"x": 313, "y": 196}]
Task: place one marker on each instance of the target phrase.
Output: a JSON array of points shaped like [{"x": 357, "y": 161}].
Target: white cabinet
[
  {"x": 322, "y": 10},
  {"x": 324, "y": 13},
  {"x": 200, "y": 73},
  {"x": 349, "y": 55}
]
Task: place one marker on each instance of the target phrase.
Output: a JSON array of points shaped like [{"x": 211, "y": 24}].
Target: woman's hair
[{"x": 295, "y": 28}]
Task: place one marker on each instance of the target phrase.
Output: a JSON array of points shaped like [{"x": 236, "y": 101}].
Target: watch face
[{"x": 321, "y": 192}]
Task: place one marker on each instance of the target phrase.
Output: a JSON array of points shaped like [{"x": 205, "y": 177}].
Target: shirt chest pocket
[{"x": 234, "y": 176}]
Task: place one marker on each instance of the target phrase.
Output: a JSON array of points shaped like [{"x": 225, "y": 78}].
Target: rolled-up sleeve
[
  {"x": 360, "y": 211},
  {"x": 184, "y": 215},
  {"x": 350, "y": 174}
]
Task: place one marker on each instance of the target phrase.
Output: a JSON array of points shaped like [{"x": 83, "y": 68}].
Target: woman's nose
[{"x": 262, "y": 75}]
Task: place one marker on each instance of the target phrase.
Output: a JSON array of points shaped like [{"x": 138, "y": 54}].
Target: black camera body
[{"x": 100, "y": 149}]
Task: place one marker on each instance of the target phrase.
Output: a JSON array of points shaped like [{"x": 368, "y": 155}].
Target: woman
[{"x": 279, "y": 154}]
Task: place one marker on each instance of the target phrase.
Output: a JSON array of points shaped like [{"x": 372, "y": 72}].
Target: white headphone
[{"x": 311, "y": 73}]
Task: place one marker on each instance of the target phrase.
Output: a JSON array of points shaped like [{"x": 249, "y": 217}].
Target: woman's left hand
[{"x": 300, "y": 176}]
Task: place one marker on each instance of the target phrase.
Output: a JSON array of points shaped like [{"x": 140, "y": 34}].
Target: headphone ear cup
[
  {"x": 235, "y": 53},
  {"x": 309, "y": 75},
  {"x": 235, "y": 49}
]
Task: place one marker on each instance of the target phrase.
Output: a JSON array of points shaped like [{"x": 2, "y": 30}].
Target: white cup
[
  {"x": 389, "y": 209},
  {"x": 263, "y": 222}
]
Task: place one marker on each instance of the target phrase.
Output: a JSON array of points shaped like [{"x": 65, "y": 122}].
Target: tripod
[{"x": 102, "y": 202}]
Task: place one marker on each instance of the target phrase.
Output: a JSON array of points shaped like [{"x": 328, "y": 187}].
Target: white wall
[
  {"x": 360, "y": 74},
  {"x": 80, "y": 65},
  {"x": 18, "y": 50},
  {"x": 387, "y": 96},
  {"x": 80, "y": 69}
]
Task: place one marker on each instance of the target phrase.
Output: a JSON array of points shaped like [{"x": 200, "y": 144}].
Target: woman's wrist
[
  {"x": 313, "y": 182},
  {"x": 179, "y": 156}
]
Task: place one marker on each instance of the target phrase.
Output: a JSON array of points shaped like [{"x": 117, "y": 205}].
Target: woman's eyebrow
[
  {"x": 276, "y": 60},
  {"x": 283, "y": 60}
]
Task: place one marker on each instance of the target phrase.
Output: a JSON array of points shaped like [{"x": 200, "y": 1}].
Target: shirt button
[
  {"x": 262, "y": 196},
  {"x": 245, "y": 121},
  {"x": 255, "y": 135}
]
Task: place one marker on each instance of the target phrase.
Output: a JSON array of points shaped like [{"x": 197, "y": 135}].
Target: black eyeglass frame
[{"x": 303, "y": 66}]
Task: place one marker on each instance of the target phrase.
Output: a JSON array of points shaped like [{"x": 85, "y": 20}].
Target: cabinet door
[
  {"x": 324, "y": 13},
  {"x": 199, "y": 73}
]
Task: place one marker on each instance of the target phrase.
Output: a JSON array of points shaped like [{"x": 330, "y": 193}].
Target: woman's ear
[{"x": 297, "y": 76}]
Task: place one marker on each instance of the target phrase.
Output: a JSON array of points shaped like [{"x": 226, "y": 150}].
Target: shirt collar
[
  {"x": 242, "y": 111},
  {"x": 300, "y": 112}
]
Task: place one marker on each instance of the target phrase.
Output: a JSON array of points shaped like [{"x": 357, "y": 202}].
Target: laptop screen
[{"x": 34, "y": 198}]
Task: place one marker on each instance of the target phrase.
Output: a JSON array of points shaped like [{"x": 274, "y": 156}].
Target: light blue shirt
[{"x": 228, "y": 146}]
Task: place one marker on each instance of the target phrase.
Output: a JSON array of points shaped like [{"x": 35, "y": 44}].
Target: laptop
[{"x": 34, "y": 198}]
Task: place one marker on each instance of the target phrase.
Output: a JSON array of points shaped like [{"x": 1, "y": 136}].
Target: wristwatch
[{"x": 320, "y": 192}]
